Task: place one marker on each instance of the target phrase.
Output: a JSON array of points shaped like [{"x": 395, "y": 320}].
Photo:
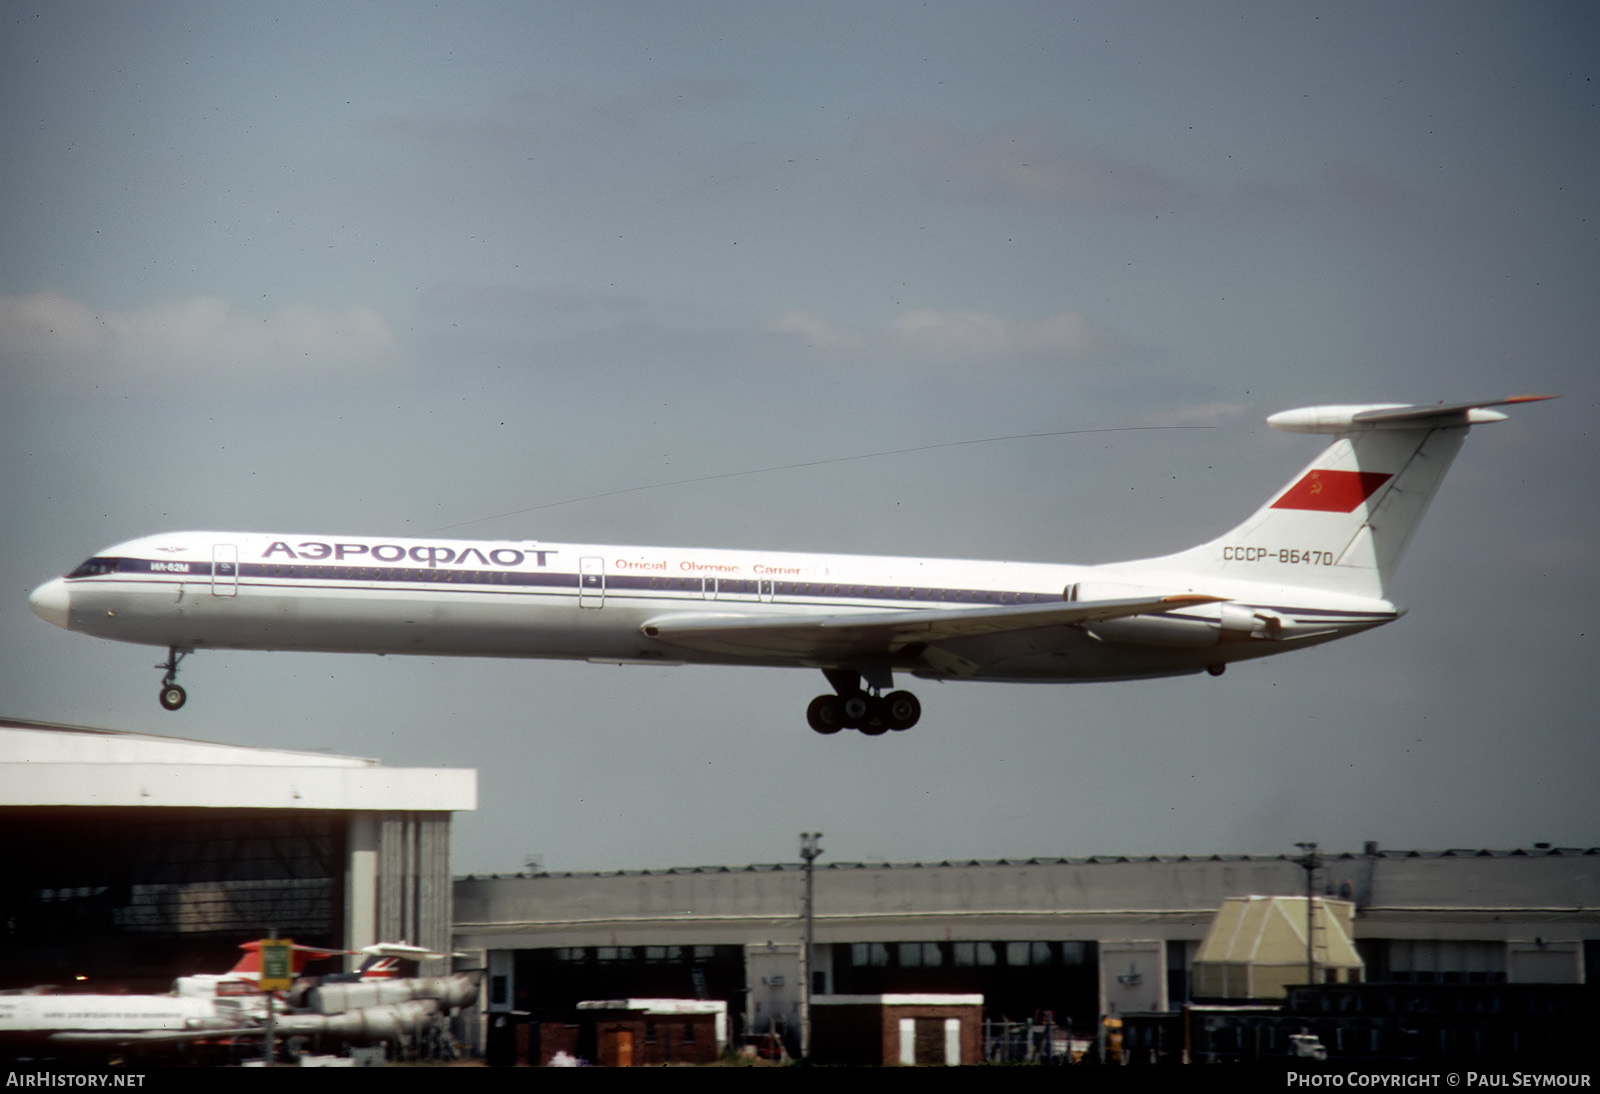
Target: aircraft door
[
  {"x": 591, "y": 582},
  {"x": 224, "y": 569}
]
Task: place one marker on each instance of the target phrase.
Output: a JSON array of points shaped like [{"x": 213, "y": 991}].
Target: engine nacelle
[
  {"x": 391, "y": 1022},
  {"x": 453, "y": 991},
  {"x": 1195, "y": 628}
]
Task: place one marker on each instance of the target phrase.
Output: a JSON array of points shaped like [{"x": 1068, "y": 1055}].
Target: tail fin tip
[
  {"x": 1370, "y": 416},
  {"x": 1343, "y": 523}
]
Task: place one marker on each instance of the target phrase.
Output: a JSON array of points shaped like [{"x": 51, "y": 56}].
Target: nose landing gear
[{"x": 173, "y": 696}]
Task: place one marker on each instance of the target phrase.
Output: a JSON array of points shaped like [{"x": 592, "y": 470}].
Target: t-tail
[{"x": 1343, "y": 523}]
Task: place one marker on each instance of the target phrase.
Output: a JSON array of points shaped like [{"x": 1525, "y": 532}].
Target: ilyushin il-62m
[{"x": 1311, "y": 565}]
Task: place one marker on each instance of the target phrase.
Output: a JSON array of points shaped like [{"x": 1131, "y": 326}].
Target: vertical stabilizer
[{"x": 1343, "y": 523}]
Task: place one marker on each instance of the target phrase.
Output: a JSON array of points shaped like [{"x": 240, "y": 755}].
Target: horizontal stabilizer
[
  {"x": 828, "y": 638},
  {"x": 1357, "y": 419},
  {"x": 405, "y": 951}
]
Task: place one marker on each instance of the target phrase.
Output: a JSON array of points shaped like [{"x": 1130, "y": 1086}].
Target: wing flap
[{"x": 828, "y": 638}]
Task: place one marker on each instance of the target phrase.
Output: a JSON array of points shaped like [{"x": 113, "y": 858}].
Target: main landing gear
[
  {"x": 172, "y": 696},
  {"x": 867, "y": 710}
]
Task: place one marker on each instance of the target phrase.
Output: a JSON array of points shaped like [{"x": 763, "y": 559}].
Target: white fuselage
[
  {"x": 226, "y": 590},
  {"x": 1311, "y": 564},
  {"x": 64, "y": 1018}
]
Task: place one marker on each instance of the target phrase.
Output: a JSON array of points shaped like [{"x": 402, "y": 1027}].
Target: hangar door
[{"x": 134, "y": 897}]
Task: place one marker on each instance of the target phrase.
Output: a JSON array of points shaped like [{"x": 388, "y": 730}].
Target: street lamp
[
  {"x": 1311, "y": 862},
  {"x": 810, "y": 848}
]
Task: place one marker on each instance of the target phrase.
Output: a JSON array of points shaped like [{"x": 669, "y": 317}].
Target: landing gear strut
[
  {"x": 173, "y": 696},
  {"x": 870, "y": 711}
]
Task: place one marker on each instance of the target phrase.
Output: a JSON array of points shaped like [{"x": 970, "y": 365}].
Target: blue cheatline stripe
[{"x": 311, "y": 575}]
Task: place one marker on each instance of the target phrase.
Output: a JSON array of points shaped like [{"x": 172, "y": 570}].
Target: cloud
[
  {"x": 1368, "y": 189},
  {"x": 970, "y": 336},
  {"x": 1198, "y": 414},
  {"x": 533, "y": 123},
  {"x": 50, "y": 330},
  {"x": 817, "y": 332},
  {"x": 519, "y": 305},
  {"x": 1557, "y": 553},
  {"x": 1027, "y": 162},
  {"x": 982, "y": 336}
]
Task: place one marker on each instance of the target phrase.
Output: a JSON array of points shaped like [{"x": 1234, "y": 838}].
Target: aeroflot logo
[{"x": 428, "y": 554}]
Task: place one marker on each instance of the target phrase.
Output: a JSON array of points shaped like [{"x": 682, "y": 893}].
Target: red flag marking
[{"x": 1331, "y": 491}]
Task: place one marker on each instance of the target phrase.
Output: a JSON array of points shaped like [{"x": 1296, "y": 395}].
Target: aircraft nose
[{"x": 52, "y": 602}]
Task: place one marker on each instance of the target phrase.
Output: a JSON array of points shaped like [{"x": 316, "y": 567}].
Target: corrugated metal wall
[{"x": 414, "y": 883}]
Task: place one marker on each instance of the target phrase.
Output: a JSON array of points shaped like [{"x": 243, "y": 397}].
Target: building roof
[
  {"x": 902, "y": 999},
  {"x": 42, "y": 764},
  {"x": 1538, "y": 850},
  {"x": 659, "y": 1006},
  {"x": 1271, "y": 930}
]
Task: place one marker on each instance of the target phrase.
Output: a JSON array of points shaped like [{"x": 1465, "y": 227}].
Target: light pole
[
  {"x": 810, "y": 848},
  {"x": 1310, "y": 862}
]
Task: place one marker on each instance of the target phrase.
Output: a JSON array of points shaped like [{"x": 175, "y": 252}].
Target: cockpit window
[{"x": 95, "y": 566}]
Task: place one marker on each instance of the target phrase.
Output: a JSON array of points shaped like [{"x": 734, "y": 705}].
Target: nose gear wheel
[{"x": 172, "y": 696}]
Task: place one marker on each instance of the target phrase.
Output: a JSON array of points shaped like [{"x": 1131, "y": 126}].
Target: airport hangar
[
  {"x": 131, "y": 859},
  {"x": 1080, "y": 938}
]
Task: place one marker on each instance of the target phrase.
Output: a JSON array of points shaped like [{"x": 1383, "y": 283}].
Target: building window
[
  {"x": 973, "y": 954},
  {"x": 1023, "y": 954},
  {"x": 920, "y": 955},
  {"x": 869, "y": 955}
]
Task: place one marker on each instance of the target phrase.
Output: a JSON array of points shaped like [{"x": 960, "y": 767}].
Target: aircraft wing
[{"x": 836, "y": 638}]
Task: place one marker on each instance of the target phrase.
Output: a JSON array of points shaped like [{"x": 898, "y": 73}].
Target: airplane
[
  {"x": 381, "y": 961},
  {"x": 85, "y": 1020},
  {"x": 1312, "y": 564},
  {"x": 369, "y": 1005},
  {"x": 244, "y": 979}
]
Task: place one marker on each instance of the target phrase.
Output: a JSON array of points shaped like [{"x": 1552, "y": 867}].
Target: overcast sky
[{"x": 385, "y": 268}]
